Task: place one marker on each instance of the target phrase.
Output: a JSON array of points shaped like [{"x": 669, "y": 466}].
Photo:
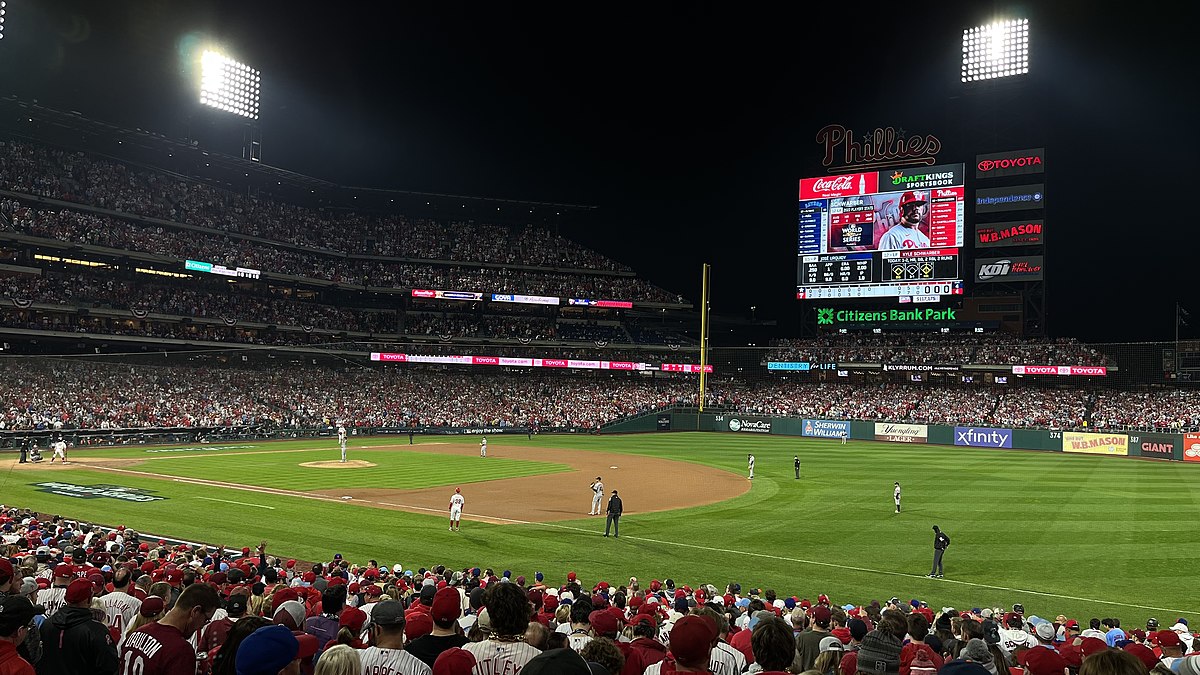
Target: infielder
[
  {"x": 483, "y": 447},
  {"x": 597, "y": 497},
  {"x": 457, "y": 501},
  {"x": 60, "y": 450},
  {"x": 896, "y": 496},
  {"x": 750, "y": 462},
  {"x": 342, "y": 440}
]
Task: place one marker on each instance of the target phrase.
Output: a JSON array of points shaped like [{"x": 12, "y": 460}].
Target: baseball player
[
  {"x": 60, "y": 450},
  {"x": 905, "y": 234},
  {"x": 456, "y": 506},
  {"x": 896, "y": 496},
  {"x": 483, "y": 447},
  {"x": 796, "y": 464},
  {"x": 844, "y": 437},
  {"x": 750, "y": 463},
  {"x": 342, "y": 440},
  {"x": 597, "y": 497}
]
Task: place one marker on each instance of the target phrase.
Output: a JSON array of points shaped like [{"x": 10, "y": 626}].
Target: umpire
[
  {"x": 940, "y": 541},
  {"x": 614, "y": 515}
]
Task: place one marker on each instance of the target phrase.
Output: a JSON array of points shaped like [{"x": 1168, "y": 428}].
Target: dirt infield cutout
[{"x": 336, "y": 464}]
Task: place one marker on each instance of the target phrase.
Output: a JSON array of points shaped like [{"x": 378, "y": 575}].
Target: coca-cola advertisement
[{"x": 839, "y": 186}]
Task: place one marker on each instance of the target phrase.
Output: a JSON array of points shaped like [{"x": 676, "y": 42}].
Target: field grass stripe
[{"x": 230, "y": 501}]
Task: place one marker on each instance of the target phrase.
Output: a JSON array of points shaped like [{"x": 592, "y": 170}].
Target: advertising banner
[
  {"x": 464, "y": 360},
  {"x": 1009, "y": 233},
  {"x": 752, "y": 425},
  {"x": 1085, "y": 371},
  {"x": 789, "y": 365},
  {"x": 685, "y": 367},
  {"x": 1160, "y": 446},
  {"x": 1010, "y": 270},
  {"x": 920, "y": 368},
  {"x": 446, "y": 295},
  {"x": 983, "y": 437},
  {"x": 1010, "y": 163},
  {"x": 664, "y": 422},
  {"x": 1015, "y": 198},
  {"x": 524, "y": 299},
  {"x": 618, "y": 304},
  {"x": 901, "y": 433},
  {"x": 840, "y": 186},
  {"x": 1191, "y": 447},
  {"x": 825, "y": 428},
  {"x": 1095, "y": 444}
]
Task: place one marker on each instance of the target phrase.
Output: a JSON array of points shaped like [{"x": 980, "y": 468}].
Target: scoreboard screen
[{"x": 893, "y": 233}]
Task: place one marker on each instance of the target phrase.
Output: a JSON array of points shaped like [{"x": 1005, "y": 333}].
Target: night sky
[{"x": 687, "y": 124}]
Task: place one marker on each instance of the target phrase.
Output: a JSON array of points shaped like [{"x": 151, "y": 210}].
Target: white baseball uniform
[
  {"x": 456, "y": 506},
  {"x": 60, "y": 450},
  {"x": 896, "y": 496},
  {"x": 483, "y": 447},
  {"x": 120, "y": 609},
  {"x": 493, "y": 657},
  {"x": 750, "y": 461},
  {"x": 597, "y": 498},
  {"x": 377, "y": 661},
  {"x": 901, "y": 236},
  {"x": 342, "y": 441}
]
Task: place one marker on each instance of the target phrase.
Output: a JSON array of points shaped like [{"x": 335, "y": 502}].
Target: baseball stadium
[{"x": 273, "y": 403}]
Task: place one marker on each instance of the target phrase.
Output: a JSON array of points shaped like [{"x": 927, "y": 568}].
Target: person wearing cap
[
  {"x": 273, "y": 650},
  {"x": 597, "y": 496},
  {"x": 1041, "y": 661},
  {"x": 692, "y": 640},
  {"x": 72, "y": 641},
  {"x": 457, "y": 501},
  {"x": 446, "y": 634},
  {"x": 796, "y": 465},
  {"x": 879, "y": 653},
  {"x": 12, "y": 583},
  {"x": 163, "y": 647},
  {"x": 54, "y": 597},
  {"x": 614, "y": 515},
  {"x": 724, "y": 658},
  {"x": 940, "y": 542},
  {"x": 645, "y": 649},
  {"x": 16, "y": 622},
  {"x": 1169, "y": 644},
  {"x": 386, "y": 653},
  {"x": 808, "y": 642},
  {"x": 504, "y": 651},
  {"x": 750, "y": 465},
  {"x": 213, "y": 634}
]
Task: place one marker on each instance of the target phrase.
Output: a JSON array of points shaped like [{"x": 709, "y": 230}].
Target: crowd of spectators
[
  {"x": 480, "y": 326},
  {"x": 125, "y": 235},
  {"x": 82, "y": 393},
  {"x": 79, "y": 597},
  {"x": 937, "y": 348}
]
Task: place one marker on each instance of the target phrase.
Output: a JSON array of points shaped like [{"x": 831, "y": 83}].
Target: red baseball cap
[
  {"x": 80, "y": 590},
  {"x": 417, "y": 624},
  {"x": 1167, "y": 638},
  {"x": 454, "y": 661},
  {"x": 1042, "y": 661},
  {"x": 603, "y": 622},
  {"x": 63, "y": 570},
  {"x": 447, "y": 605},
  {"x": 1091, "y": 645},
  {"x": 1144, "y": 654},
  {"x": 692, "y": 638}
]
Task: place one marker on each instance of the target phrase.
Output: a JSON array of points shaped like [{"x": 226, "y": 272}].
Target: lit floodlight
[
  {"x": 228, "y": 85},
  {"x": 2, "y": 13},
  {"x": 1000, "y": 49}
]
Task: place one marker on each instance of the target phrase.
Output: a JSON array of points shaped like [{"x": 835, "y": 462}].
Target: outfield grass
[{"x": 1056, "y": 532}]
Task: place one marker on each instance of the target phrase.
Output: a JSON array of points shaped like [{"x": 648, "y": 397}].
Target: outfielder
[
  {"x": 750, "y": 462},
  {"x": 457, "y": 501},
  {"x": 483, "y": 447},
  {"x": 597, "y": 497},
  {"x": 342, "y": 440},
  {"x": 844, "y": 437},
  {"x": 896, "y": 496}
]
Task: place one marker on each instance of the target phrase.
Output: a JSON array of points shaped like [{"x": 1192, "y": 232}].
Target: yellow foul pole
[{"x": 703, "y": 328}]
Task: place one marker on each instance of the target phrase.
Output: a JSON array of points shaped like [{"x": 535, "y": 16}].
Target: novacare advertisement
[
  {"x": 1095, "y": 444},
  {"x": 982, "y": 437},
  {"x": 825, "y": 429},
  {"x": 753, "y": 426},
  {"x": 901, "y": 433}
]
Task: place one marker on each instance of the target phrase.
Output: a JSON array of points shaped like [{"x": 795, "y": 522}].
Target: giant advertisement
[
  {"x": 1158, "y": 446},
  {"x": 1191, "y": 447},
  {"x": 901, "y": 433},
  {"x": 1009, "y": 233},
  {"x": 983, "y": 437},
  {"x": 825, "y": 428},
  {"x": 1095, "y": 444},
  {"x": 881, "y": 233},
  {"x": 1013, "y": 269}
]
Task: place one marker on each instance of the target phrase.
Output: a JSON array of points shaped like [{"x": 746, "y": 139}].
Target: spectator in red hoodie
[
  {"x": 918, "y": 629},
  {"x": 645, "y": 650}
]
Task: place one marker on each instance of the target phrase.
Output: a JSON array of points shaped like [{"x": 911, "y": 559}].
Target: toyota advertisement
[
  {"x": 1010, "y": 163},
  {"x": 983, "y": 437},
  {"x": 1085, "y": 371},
  {"x": 1095, "y": 444},
  {"x": 901, "y": 433},
  {"x": 825, "y": 429}
]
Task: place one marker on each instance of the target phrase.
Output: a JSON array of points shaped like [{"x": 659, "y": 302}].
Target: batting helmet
[{"x": 912, "y": 198}]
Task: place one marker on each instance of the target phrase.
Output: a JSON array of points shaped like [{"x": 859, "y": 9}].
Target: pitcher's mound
[{"x": 335, "y": 464}]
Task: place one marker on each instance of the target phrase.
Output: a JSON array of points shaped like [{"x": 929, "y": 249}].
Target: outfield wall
[{"x": 1177, "y": 447}]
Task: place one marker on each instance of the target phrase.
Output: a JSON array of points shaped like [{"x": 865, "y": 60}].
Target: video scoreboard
[{"x": 880, "y": 234}]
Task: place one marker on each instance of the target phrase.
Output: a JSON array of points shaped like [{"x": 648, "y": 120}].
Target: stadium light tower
[
  {"x": 999, "y": 49},
  {"x": 228, "y": 85},
  {"x": 3, "y": 11}
]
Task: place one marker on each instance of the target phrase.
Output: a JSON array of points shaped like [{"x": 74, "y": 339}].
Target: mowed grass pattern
[
  {"x": 398, "y": 469},
  {"x": 1081, "y": 535}
]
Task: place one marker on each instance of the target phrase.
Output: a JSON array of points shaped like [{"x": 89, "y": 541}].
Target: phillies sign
[
  {"x": 1011, "y": 163},
  {"x": 1086, "y": 371},
  {"x": 884, "y": 146}
]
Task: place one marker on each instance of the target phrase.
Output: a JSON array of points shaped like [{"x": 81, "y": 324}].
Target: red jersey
[{"x": 157, "y": 649}]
